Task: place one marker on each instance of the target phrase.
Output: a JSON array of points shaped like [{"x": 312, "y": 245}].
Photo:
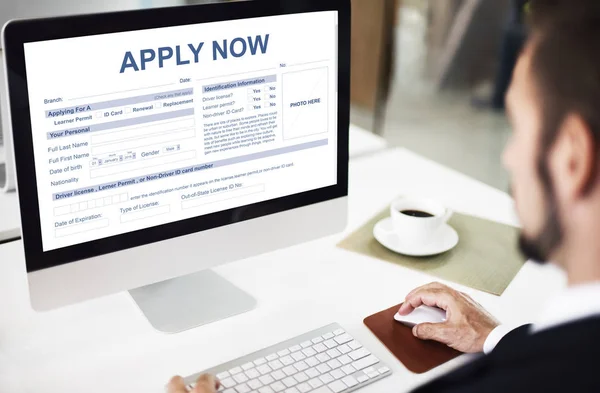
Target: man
[{"x": 554, "y": 161}]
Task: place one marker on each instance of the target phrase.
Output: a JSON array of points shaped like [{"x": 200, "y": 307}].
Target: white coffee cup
[{"x": 418, "y": 230}]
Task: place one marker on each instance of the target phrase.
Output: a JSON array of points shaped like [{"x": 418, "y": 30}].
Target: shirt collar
[{"x": 572, "y": 304}]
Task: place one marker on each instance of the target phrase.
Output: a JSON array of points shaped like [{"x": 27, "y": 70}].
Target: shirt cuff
[{"x": 495, "y": 337}]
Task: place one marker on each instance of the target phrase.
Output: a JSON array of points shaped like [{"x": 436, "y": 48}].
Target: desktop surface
[{"x": 108, "y": 340}]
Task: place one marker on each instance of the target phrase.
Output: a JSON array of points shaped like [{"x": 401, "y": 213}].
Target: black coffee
[{"x": 416, "y": 213}]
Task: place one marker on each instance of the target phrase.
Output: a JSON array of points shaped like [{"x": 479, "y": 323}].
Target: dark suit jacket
[{"x": 562, "y": 359}]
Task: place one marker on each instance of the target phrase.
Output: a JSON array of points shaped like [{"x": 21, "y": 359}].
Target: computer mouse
[{"x": 423, "y": 314}]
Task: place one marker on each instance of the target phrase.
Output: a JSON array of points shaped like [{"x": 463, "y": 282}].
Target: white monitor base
[{"x": 183, "y": 303}]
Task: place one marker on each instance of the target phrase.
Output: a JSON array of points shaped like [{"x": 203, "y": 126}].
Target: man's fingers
[
  {"x": 206, "y": 384},
  {"x": 413, "y": 299},
  {"x": 439, "y": 298},
  {"x": 176, "y": 385},
  {"x": 432, "y": 331}
]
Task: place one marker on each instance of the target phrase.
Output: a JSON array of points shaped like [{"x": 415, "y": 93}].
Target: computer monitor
[{"x": 155, "y": 144}]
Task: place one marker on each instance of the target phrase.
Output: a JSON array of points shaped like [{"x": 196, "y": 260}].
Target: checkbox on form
[
  {"x": 127, "y": 110},
  {"x": 98, "y": 115}
]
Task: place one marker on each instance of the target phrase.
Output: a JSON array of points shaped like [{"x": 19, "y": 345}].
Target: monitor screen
[{"x": 138, "y": 129}]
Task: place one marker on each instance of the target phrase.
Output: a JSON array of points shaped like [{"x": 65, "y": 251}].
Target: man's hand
[
  {"x": 204, "y": 384},
  {"x": 467, "y": 324}
]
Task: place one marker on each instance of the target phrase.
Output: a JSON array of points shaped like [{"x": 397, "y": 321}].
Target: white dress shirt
[{"x": 573, "y": 304}]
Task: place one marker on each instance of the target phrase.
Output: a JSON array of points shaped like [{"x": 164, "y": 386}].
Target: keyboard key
[
  {"x": 240, "y": 378},
  {"x": 298, "y": 356},
  {"x": 292, "y": 390},
  {"x": 301, "y": 377},
  {"x": 252, "y": 373},
  {"x": 260, "y": 361},
  {"x": 315, "y": 383},
  {"x": 287, "y": 360},
  {"x": 255, "y": 384},
  {"x": 283, "y": 353},
  {"x": 337, "y": 386},
  {"x": 326, "y": 378},
  {"x": 265, "y": 389},
  {"x": 354, "y": 344},
  {"x": 373, "y": 374},
  {"x": 312, "y": 361},
  {"x": 224, "y": 391},
  {"x": 320, "y": 348},
  {"x": 330, "y": 344},
  {"x": 323, "y": 357},
  {"x": 343, "y": 339},
  {"x": 278, "y": 387},
  {"x": 317, "y": 340},
  {"x": 272, "y": 357},
  {"x": 309, "y": 352},
  {"x": 264, "y": 369},
  {"x": 337, "y": 374},
  {"x": 306, "y": 344},
  {"x": 289, "y": 382},
  {"x": 301, "y": 366},
  {"x": 228, "y": 382},
  {"x": 348, "y": 369},
  {"x": 362, "y": 378},
  {"x": 323, "y": 368},
  {"x": 327, "y": 336},
  {"x": 235, "y": 370},
  {"x": 369, "y": 370},
  {"x": 334, "y": 363},
  {"x": 383, "y": 370},
  {"x": 266, "y": 380},
  {"x": 243, "y": 388},
  {"x": 359, "y": 354},
  {"x": 334, "y": 353},
  {"x": 278, "y": 375},
  {"x": 344, "y": 349},
  {"x": 344, "y": 359},
  {"x": 350, "y": 381},
  {"x": 312, "y": 372},
  {"x": 289, "y": 370},
  {"x": 304, "y": 388},
  {"x": 338, "y": 332},
  {"x": 295, "y": 348},
  {"x": 365, "y": 362},
  {"x": 275, "y": 364},
  {"x": 247, "y": 366},
  {"x": 223, "y": 375}
]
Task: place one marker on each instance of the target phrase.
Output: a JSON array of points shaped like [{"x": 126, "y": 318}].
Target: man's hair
[{"x": 565, "y": 64}]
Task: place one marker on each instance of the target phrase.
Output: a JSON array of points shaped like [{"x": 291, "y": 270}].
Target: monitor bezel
[{"x": 18, "y": 33}]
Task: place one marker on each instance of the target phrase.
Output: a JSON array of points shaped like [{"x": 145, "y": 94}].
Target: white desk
[
  {"x": 106, "y": 345},
  {"x": 362, "y": 143},
  {"x": 10, "y": 220}
]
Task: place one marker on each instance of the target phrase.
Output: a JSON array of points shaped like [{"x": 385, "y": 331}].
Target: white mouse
[{"x": 423, "y": 314}]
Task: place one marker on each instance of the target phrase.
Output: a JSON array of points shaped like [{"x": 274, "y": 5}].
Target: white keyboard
[{"x": 327, "y": 360}]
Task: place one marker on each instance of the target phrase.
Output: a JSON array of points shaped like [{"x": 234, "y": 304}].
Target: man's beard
[{"x": 540, "y": 248}]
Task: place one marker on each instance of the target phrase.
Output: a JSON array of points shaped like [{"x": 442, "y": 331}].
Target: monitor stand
[{"x": 184, "y": 303}]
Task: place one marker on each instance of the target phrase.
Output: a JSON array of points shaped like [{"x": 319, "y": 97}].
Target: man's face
[{"x": 523, "y": 158}]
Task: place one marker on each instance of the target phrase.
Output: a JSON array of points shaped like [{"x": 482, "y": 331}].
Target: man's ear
[{"x": 573, "y": 159}]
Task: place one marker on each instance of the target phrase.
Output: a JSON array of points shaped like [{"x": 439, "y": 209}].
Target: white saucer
[{"x": 445, "y": 240}]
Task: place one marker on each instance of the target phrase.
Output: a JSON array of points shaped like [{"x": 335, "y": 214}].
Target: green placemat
[{"x": 486, "y": 258}]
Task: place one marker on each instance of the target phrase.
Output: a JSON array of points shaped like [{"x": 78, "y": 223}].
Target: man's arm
[{"x": 469, "y": 328}]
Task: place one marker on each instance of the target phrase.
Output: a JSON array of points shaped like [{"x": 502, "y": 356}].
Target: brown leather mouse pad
[{"x": 418, "y": 356}]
